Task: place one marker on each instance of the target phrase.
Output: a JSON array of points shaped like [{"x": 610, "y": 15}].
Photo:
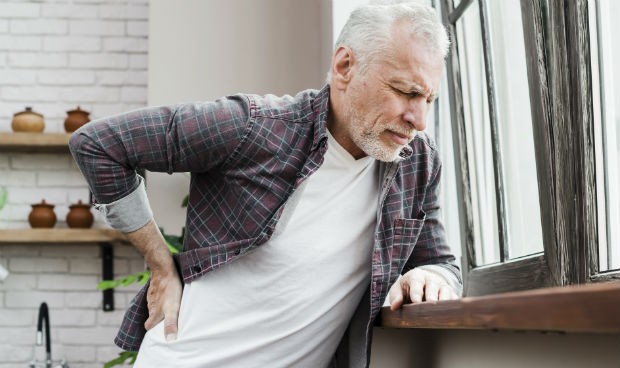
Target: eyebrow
[{"x": 411, "y": 87}]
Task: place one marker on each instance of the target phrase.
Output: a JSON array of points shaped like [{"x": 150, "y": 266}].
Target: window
[
  {"x": 499, "y": 133},
  {"x": 538, "y": 199},
  {"x": 606, "y": 101}
]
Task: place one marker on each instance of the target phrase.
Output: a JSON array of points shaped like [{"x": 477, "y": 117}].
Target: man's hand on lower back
[
  {"x": 165, "y": 289},
  {"x": 164, "y": 301}
]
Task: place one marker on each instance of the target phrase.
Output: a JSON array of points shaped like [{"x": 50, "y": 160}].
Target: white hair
[{"x": 368, "y": 30}]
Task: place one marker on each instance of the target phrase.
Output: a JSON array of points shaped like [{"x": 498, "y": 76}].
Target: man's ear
[{"x": 342, "y": 63}]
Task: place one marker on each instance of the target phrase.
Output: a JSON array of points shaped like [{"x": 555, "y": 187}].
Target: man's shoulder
[{"x": 301, "y": 107}]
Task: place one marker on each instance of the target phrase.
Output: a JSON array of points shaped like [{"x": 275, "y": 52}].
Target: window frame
[{"x": 556, "y": 36}]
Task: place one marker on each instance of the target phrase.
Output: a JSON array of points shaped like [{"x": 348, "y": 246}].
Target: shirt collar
[
  {"x": 321, "y": 108},
  {"x": 405, "y": 153}
]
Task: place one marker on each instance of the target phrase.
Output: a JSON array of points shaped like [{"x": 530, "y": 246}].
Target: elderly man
[{"x": 303, "y": 211}]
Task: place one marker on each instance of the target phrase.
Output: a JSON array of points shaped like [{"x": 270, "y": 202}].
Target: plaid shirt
[{"x": 247, "y": 154}]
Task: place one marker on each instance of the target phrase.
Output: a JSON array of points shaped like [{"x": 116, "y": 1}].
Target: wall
[
  {"x": 413, "y": 348},
  {"x": 508, "y": 349},
  {"x": 55, "y": 55},
  {"x": 49, "y": 49},
  {"x": 65, "y": 277},
  {"x": 205, "y": 50}
]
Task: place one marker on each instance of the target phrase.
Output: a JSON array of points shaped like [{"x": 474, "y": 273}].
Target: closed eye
[
  {"x": 414, "y": 94},
  {"x": 406, "y": 94}
]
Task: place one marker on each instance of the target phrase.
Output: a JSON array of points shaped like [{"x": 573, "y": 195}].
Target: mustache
[{"x": 399, "y": 129}]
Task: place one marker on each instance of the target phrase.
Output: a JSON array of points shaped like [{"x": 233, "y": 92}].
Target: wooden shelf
[
  {"x": 593, "y": 308},
  {"x": 34, "y": 142},
  {"x": 60, "y": 236}
]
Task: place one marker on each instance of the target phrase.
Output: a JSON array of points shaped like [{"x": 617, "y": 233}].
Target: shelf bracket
[{"x": 107, "y": 272}]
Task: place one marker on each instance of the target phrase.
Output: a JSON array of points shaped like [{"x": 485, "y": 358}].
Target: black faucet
[{"x": 44, "y": 315}]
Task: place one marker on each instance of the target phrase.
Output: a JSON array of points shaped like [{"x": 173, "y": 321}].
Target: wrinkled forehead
[{"x": 412, "y": 59}]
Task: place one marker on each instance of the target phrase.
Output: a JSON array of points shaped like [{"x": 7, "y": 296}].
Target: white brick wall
[
  {"x": 54, "y": 56},
  {"x": 65, "y": 277},
  {"x": 48, "y": 47}
]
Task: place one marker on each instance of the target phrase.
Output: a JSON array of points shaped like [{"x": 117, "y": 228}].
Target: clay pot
[
  {"x": 79, "y": 216},
  {"x": 28, "y": 121},
  {"x": 42, "y": 215},
  {"x": 75, "y": 119}
]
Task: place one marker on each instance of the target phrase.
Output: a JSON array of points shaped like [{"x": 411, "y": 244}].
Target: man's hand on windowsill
[{"x": 419, "y": 285}]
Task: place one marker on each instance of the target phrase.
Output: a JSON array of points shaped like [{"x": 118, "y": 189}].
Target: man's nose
[{"x": 415, "y": 115}]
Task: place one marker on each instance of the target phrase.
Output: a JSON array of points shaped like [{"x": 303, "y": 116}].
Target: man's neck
[{"x": 337, "y": 127}]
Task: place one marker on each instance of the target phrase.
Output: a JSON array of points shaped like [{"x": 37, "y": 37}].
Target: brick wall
[
  {"x": 64, "y": 276},
  {"x": 54, "y": 56},
  {"x": 29, "y": 178}
]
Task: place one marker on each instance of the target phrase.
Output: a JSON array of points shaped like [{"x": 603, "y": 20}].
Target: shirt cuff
[{"x": 129, "y": 213}]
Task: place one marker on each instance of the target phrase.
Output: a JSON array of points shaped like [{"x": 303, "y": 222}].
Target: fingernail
[
  {"x": 416, "y": 298},
  {"x": 171, "y": 337}
]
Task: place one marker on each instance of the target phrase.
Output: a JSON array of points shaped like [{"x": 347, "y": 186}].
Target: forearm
[
  {"x": 179, "y": 138},
  {"x": 149, "y": 241},
  {"x": 165, "y": 288}
]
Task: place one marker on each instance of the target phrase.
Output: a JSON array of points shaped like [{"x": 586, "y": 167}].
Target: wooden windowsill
[
  {"x": 60, "y": 236},
  {"x": 593, "y": 308}
]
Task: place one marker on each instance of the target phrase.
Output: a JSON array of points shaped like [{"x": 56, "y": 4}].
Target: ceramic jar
[
  {"x": 28, "y": 121},
  {"x": 42, "y": 215},
  {"x": 79, "y": 216},
  {"x": 75, "y": 119}
]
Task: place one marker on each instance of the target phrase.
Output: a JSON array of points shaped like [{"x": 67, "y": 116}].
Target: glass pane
[
  {"x": 606, "y": 98},
  {"x": 477, "y": 128},
  {"x": 441, "y": 131},
  {"x": 515, "y": 128}
]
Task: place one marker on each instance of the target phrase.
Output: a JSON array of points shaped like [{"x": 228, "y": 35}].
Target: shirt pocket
[{"x": 406, "y": 234}]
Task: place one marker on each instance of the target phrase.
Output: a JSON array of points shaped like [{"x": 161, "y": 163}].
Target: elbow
[
  {"x": 79, "y": 145},
  {"x": 80, "y": 139},
  {"x": 76, "y": 141}
]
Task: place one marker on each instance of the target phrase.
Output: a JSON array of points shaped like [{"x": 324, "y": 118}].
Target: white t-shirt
[{"x": 287, "y": 303}]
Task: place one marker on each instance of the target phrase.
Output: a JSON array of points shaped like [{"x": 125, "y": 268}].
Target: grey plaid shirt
[{"x": 247, "y": 154}]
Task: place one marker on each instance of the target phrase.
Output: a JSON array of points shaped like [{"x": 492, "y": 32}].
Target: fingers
[
  {"x": 164, "y": 301},
  {"x": 407, "y": 288},
  {"x": 396, "y": 296},
  {"x": 155, "y": 313},
  {"x": 155, "y": 317},
  {"x": 432, "y": 290},
  {"x": 171, "y": 317},
  {"x": 171, "y": 326},
  {"x": 417, "y": 285},
  {"x": 447, "y": 293}
]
